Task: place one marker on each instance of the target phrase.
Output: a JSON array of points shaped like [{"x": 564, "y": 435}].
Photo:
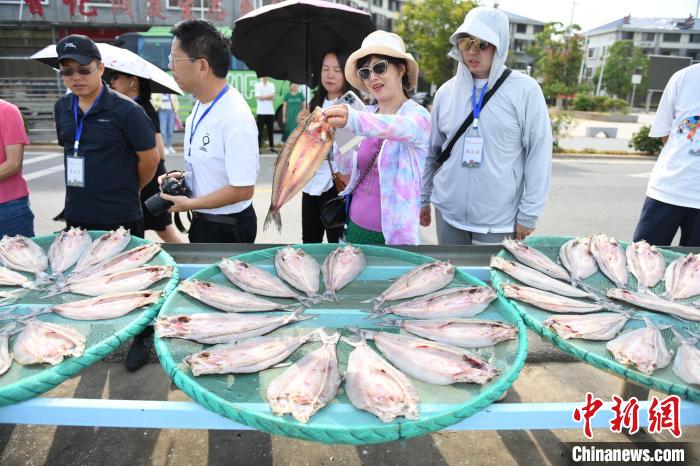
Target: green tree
[
  {"x": 624, "y": 59},
  {"x": 557, "y": 57},
  {"x": 426, "y": 27}
]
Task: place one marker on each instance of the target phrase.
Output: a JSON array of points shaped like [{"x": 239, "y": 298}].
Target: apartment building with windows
[{"x": 655, "y": 36}]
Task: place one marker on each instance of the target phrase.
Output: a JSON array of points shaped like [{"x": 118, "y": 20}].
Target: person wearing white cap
[
  {"x": 491, "y": 179},
  {"x": 386, "y": 169}
]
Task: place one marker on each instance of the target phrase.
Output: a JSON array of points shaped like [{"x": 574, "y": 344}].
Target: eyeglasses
[
  {"x": 172, "y": 60},
  {"x": 82, "y": 71},
  {"x": 379, "y": 68},
  {"x": 465, "y": 43}
]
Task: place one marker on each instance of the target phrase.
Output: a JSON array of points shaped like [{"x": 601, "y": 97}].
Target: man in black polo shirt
[{"x": 109, "y": 143}]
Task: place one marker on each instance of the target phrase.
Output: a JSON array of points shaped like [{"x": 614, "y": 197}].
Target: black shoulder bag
[
  {"x": 335, "y": 212},
  {"x": 445, "y": 154}
]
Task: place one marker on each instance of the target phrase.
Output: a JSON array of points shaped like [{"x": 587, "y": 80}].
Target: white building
[
  {"x": 384, "y": 12},
  {"x": 655, "y": 36},
  {"x": 522, "y": 35}
]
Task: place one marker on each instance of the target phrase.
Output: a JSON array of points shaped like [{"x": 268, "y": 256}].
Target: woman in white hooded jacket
[{"x": 506, "y": 192}]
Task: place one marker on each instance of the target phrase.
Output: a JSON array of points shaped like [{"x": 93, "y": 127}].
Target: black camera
[{"x": 156, "y": 205}]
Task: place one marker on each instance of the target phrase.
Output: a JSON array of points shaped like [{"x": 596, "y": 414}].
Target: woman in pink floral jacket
[{"x": 386, "y": 169}]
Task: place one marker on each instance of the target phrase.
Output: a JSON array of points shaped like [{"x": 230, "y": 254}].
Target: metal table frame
[{"x": 189, "y": 415}]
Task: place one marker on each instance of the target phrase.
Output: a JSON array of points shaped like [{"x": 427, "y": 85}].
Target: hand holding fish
[
  {"x": 522, "y": 232},
  {"x": 337, "y": 115}
]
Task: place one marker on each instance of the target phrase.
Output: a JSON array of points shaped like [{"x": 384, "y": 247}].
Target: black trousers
[
  {"x": 312, "y": 228},
  {"x": 135, "y": 227},
  {"x": 659, "y": 222},
  {"x": 244, "y": 231},
  {"x": 269, "y": 121}
]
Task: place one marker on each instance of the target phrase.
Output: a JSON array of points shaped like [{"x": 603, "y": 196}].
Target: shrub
[
  {"x": 641, "y": 142},
  {"x": 586, "y": 102}
]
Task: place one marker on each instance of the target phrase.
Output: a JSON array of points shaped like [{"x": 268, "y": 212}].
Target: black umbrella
[{"x": 287, "y": 40}]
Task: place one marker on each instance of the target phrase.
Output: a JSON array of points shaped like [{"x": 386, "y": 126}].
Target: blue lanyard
[
  {"x": 476, "y": 106},
  {"x": 79, "y": 125},
  {"x": 194, "y": 117}
]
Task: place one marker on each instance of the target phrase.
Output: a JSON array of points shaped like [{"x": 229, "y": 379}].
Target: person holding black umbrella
[
  {"x": 139, "y": 90},
  {"x": 386, "y": 169},
  {"x": 321, "y": 188}
]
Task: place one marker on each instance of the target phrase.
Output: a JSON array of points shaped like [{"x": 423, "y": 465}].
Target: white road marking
[
  {"x": 582, "y": 161},
  {"x": 640, "y": 175},
  {"x": 40, "y": 158},
  {"x": 44, "y": 172}
]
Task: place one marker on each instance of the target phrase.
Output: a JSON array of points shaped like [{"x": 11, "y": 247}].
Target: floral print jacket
[{"x": 400, "y": 164}]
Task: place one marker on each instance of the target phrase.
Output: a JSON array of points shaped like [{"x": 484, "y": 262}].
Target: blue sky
[{"x": 592, "y": 13}]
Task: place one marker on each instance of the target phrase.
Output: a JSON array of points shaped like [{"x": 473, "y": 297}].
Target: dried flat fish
[
  {"x": 226, "y": 298},
  {"x": 548, "y": 301},
  {"x": 9, "y": 277},
  {"x": 21, "y": 253},
  {"x": 465, "y": 333},
  {"x": 655, "y": 303},
  {"x": 126, "y": 260},
  {"x": 299, "y": 269},
  {"x": 213, "y": 327},
  {"x": 643, "y": 348},
  {"x": 465, "y": 301},
  {"x": 104, "y": 247},
  {"x": 537, "y": 279},
  {"x": 535, "y": 259},
  {"x": 576, "y": 257},
  {"x": 646, "y": 263},
  {"x": 374, "y": 385},
  {"x": 597, "y": 326},
  {"x": 246, "y": 356},
  {"x": 682, "y": 277},
  {"x": 307, "y": 385},
  {"x": 686, "y": 364},
  {"x": 108, "y": 306},
  {"x": 5, "y": 356},
  {"x": 67, "y": 247},
  {"x": 253, "y": 279},
  {"x": 341, "y": 267},
  {"x": 43, "y": 342},
  {"x": 611, "y": 259},
  {"x": 430, "y": 361},
  {"x": 302, "y": 155},
  {"x": 121, "y": 282},
  {"x": 420, "y": 280}
]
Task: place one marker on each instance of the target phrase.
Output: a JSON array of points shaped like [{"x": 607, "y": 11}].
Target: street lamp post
[{"x": 602, "y": 71}]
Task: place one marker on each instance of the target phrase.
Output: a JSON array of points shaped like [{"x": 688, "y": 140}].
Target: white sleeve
[
  {"x": 258, "y": 91},
  {"x": 666, "y": 112},
  {"x": 241, "y": 154}
]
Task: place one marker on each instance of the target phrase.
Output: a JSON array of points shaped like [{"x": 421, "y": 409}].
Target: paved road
[{"x": 588, "y": 195}]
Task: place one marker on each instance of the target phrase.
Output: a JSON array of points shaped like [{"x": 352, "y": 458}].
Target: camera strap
[{"x": 178, "y": 222}]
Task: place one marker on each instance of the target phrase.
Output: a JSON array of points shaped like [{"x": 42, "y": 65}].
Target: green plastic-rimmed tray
[
  {"x": 102, "y": 336},
  {"x": 339, "y": 422},
  {"x": 595, "y": 352}
]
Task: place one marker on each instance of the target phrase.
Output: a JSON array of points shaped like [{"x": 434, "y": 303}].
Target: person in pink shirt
[{"x": 16, "y": 218}]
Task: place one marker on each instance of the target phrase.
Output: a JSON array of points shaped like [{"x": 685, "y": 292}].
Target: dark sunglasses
[
  {"x": 82, "y": 71},
  {"x": 378, "y": 68},
  {"x": 465, "y": 43}
]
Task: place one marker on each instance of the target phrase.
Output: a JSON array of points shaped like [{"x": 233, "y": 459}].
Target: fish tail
[
  {"x": 386, "y": 322},
  {"x": 273, "y": 216}
]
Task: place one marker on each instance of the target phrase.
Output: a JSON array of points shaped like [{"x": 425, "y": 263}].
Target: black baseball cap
[{"x": 79, "y": 48}]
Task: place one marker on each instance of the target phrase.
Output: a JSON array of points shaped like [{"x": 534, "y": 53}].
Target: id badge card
[
  {"x": 473, "y": 148},
  {"x": 75, "y": 171}
]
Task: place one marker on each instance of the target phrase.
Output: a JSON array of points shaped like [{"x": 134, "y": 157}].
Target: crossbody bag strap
[
  {"x": 371, "y": 164},
  {"x": 445, "y": 154}
]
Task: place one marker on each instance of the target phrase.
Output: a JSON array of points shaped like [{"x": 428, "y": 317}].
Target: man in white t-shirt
[
  {"x": 265, "y": 94},
  {"x": 673, "y": 193},
  {"x": 221, "y": 150}
]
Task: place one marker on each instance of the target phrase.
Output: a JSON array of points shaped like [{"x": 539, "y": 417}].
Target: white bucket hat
[{"x": 381, "y": 43}]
